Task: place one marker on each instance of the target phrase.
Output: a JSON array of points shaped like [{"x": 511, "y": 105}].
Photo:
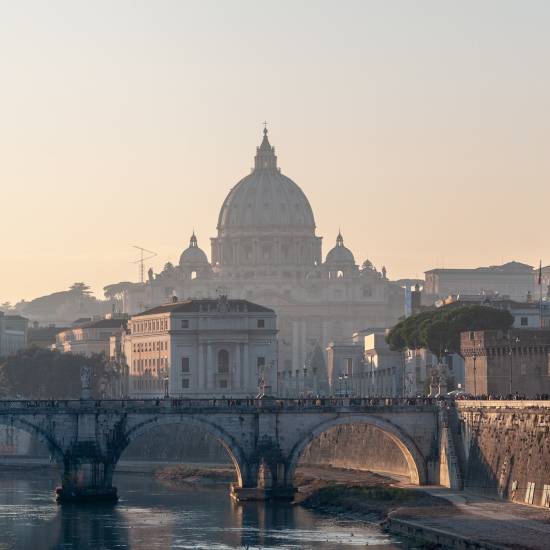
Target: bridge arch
[
  {"x": 415, "y": 460},
  {"x": 234, "y": 450},
  {"x": 21, "y": 423}
]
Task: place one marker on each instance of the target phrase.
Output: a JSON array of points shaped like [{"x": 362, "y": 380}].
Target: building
[
  {"x": 43, "y": 337},
  {"x": 266, "y": 250},
  {"x": 512, "y": 280},
  {"x": 202, "y": 348},
  {"x": 507, "y": 362},
  {"x": 384, "y": 367},
  {"x": 13, "y": 333},
  {"x": 345, "y": 367},
  {"x": 90, "y": 336}
]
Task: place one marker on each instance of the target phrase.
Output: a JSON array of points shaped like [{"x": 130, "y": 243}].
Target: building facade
[
  {"x": 90, "y": 337},
  {"x": 513, "y": 280},
  {"x": 202, "y": 348},
  {"x": 507, "y": 362},
  {"x": 13, "y": 333},
  {"x": 266, "y": 250}
]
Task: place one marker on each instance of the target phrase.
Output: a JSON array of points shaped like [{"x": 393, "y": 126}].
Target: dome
[
  {"x": 193, "y": 255},
  {"x": 340, "y": 254},
  {"x": 266, "y": 201}
]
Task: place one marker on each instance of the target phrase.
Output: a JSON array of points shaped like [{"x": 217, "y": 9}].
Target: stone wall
[
  {"x": 177, "y": 443},
  {"x": 507, "y": 449},
  {"x": 360, "y": 447}
]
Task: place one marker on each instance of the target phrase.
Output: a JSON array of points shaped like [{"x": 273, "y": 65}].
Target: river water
[{"x": 152, "y": 516}]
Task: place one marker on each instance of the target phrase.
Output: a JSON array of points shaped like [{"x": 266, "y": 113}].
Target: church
[{"x": 266, "y": 251}]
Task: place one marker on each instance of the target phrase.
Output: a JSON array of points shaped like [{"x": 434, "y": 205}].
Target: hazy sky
[{"x": 422, "y": 129}]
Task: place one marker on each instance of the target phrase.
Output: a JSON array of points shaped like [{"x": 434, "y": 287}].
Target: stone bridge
[{"x": 264, "y": 438}]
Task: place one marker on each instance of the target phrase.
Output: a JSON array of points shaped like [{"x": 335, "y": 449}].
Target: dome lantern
[{"x": 265, "y": 158}]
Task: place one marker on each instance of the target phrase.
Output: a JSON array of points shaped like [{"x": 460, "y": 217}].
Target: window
[
  {"x": 185, "y": 364},
  {"x": 185, "y": 383},
  {"x": 260, "y": 323},
  {"x": 524, "y": 322},
  {"x": 223, "y": 361},
  {"x": 223, "y": 384},
  {"x": 260, "y": 362},
  {"x": 348, "y": 365},
  {"x": 530, "y": 492},
  {"x": 185, "y": 323}
]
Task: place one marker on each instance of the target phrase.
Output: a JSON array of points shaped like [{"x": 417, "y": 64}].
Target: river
[{"x": 153, "y": 516}]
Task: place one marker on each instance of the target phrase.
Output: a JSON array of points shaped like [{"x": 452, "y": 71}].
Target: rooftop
[
  {"x": 510, "y": 267},
  {"x": 206, "y": 305}
]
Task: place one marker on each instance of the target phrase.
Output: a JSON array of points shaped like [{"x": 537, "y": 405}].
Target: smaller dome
[
  {"x": 193, "y": 256},
  {"x": 340, "y": 254}
]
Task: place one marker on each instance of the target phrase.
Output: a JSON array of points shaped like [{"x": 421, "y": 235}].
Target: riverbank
[{"x": 185, "y": 474}]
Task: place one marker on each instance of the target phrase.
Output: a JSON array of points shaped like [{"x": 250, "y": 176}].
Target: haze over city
[{"x": 421, "y": 133}]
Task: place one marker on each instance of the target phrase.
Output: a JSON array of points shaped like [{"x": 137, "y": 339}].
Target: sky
[{"x": 421, "y": 129}]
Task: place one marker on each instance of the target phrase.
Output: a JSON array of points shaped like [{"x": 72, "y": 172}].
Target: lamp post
[
  {"x": 166, "y": 381},
  {"x": 346, "y": 383},
  {"x": 474, "y": 357},
  {"x": 340, "y": 385},
  {"x": 516, "y": 341}
]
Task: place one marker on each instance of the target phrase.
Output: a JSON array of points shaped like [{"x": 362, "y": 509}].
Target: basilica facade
[{"x": 266, "y": 250}]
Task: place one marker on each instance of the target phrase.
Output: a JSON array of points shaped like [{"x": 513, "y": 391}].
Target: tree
[
  {"x": 36, "y": 373},
  {"x": 111, "y": 291},
  {"x": 439, "y": 329},
  {"x": 80, "y": 289}
]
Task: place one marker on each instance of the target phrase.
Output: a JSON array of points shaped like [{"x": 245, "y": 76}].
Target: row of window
[
  {"x": 153, "y": 325},
  {"x": 260, "y": 323},
  {"x": 150, "y": 346},
  {"x": 223, "y": 362},
  {"x": 140, "y": 364}
]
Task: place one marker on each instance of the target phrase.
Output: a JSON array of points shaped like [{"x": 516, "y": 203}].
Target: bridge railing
[{"x": 176, "y": 403}]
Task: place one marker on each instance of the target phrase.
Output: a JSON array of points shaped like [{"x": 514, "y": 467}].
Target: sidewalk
[{"x": 497, "y": 523}]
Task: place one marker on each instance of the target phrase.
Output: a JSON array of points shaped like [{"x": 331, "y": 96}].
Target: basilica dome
[
  {"x": 340, "y": 255},
  {"x": 266, "y": 201},
  {"x": 193, "y": 256}
]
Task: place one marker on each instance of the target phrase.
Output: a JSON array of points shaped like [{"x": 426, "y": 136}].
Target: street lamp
[
  {"x": 346, "y": 383},
  {"x": 511, "y": 362},
  {"x": 474, "y": 357},
  {"x": 340, "y": 378}
]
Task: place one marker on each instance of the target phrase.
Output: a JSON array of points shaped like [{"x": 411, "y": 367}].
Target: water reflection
[{"x": 152, "y": 516}]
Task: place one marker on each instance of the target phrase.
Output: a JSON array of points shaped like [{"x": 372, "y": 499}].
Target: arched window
[{"x": 223, "y": 361}]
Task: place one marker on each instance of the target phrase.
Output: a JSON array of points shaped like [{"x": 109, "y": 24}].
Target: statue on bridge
[{"x": 85, "y": 382}]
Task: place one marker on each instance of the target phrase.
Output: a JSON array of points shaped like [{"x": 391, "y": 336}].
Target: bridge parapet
[{"x": 212, "y": 405}]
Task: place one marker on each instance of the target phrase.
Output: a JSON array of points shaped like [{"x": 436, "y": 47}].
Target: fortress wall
[{"x": 507, "y": 449}]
